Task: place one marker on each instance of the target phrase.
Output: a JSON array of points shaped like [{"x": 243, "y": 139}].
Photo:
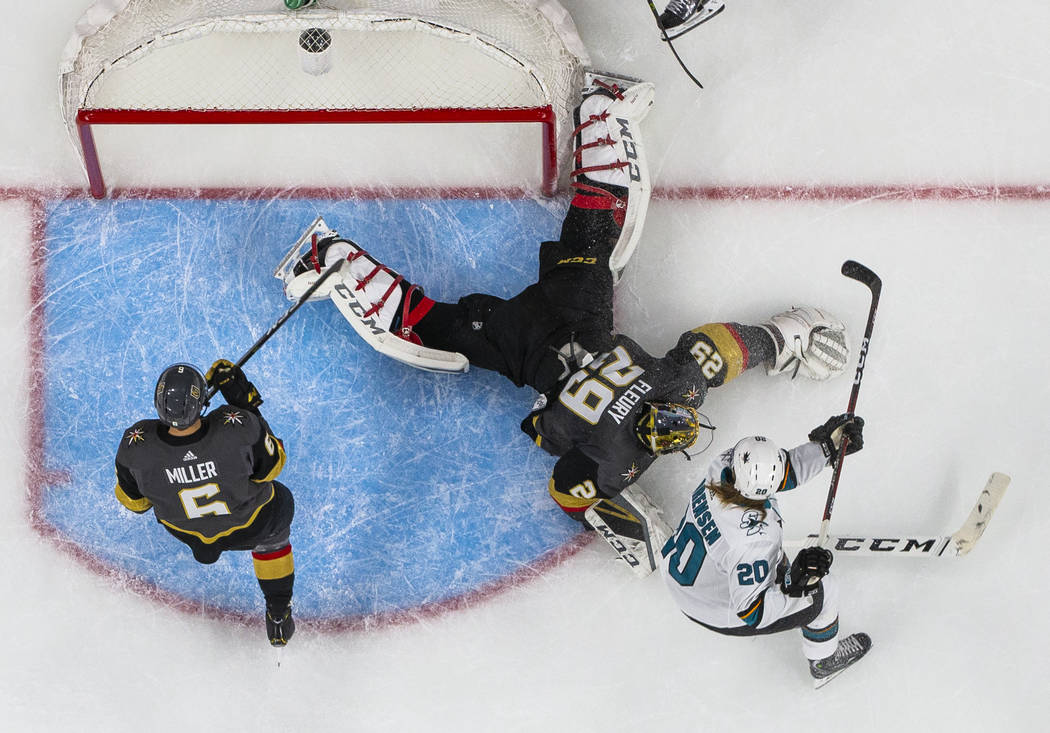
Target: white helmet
[{"x": 758, "y": 466}]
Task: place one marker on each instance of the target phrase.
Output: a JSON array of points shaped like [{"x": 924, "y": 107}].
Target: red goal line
[
  {"x": 866, "y": 192},
  {"x": 770, "y": 192}
]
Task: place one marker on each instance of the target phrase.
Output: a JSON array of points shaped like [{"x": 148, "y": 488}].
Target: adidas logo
[{"x": 189, "y": 456}]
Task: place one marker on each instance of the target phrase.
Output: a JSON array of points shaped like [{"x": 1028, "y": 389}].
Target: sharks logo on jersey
[{"x": 753, "y": 523}]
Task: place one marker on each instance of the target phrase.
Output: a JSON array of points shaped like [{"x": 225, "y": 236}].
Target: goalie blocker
[{"x": 632, "y": 525}]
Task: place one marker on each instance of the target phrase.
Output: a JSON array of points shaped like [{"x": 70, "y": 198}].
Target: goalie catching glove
[
  {"x": 229, "y": 379},
  {"x": 803, "y": 577},
  {"x": 809, "y": 341},
  {"x": 830, "y": 435}
]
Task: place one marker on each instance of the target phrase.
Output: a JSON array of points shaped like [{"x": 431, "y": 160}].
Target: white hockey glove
[{"x": 810, "y": 342}]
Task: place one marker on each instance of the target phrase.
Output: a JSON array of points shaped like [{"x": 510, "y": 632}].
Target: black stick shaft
[
  {"x": 281, "y": 321},
  {"x": 859, "y": 272},
  {"x": 656, "y": 14}
]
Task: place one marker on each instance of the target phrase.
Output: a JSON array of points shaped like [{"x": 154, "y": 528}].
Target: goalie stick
[{"x": 956, "y": 544}]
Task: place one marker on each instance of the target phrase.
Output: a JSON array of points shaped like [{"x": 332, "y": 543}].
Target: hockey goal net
[{"x": 249, "y": 62}]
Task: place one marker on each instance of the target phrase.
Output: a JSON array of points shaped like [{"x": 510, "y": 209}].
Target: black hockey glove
[
  {"x": 829, "y": 435},
  {"x": 810, "y": 565},
  {"x": 229, "y": 379}
]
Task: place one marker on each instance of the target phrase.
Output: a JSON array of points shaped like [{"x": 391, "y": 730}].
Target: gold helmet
[{"x": 666, "y": 427}]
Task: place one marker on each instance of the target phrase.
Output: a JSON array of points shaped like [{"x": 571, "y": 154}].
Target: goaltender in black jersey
[
  {"x": 606, "y": 407},
  {"x": 211, "y": 479}
]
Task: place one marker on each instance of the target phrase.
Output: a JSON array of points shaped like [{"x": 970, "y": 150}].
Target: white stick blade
[{"x": 977, "y": 522}]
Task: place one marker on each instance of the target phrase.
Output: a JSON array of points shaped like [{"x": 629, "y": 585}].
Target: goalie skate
[
  {"x": 682, "y": 16},
  {"x": 609, "y": 152},
  {"x": 290, "y": 271},
  {"x": 633, "y": 526}
]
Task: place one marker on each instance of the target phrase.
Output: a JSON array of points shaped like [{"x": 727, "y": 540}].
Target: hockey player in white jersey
[{"x": 725, "y": 564}]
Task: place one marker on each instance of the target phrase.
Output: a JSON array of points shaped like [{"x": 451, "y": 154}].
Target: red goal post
[{"x": 248, "y": 62}]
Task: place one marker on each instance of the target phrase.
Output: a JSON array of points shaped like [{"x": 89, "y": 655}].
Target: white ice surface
[{"x": 798, "y": 93}]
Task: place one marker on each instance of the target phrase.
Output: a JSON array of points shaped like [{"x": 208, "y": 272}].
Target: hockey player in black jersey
[
  {"x": 607, "y": 408},
  {"x": 211, "y": 479}
]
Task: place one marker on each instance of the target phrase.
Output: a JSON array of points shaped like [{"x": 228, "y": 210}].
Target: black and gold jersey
[
  {"x": 208, "y": 484},
  {"x": 589, "y": 422}
]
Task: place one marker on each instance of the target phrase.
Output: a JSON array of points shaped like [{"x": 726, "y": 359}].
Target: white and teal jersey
[{"x": 720, "y": 564}]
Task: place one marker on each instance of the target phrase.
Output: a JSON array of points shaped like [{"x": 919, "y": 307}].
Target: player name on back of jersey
[
  {"x": 191, "y": 474},
  {"x": 702, "y": 516},
  {"x": 621, "y": 408}
]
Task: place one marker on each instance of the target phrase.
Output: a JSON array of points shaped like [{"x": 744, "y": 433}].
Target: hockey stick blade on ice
[
  {"x": 855, "y": 271},
  {"x": 903, "y": 545},
  {"x": 280, "y": 322}
]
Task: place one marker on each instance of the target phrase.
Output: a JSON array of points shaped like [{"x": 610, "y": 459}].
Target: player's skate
[
  {"x": 682, "y": 16},
  {"x": 378, "y": 303},
  {"x": 279, "y": 625},
  {"x": 849, "y": 650},
  {"x": 610, "y": 170},
  {"x": 632, "y": 524},
  {"x": 810, "y": 342}
]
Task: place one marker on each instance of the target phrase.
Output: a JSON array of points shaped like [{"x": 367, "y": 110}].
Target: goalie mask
[
  {"x": 758, "y": 468},
  {"x": 179, "y": 395},
  {"x": 665, "y": 427}
]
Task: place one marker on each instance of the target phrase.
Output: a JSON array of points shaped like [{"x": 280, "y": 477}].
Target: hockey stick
[
  {"x": 956, "y": 544},
  {"x": 859, "y": 272},
  {"x": 656, "y": 14},
  {"x": 279, "y": 322}
]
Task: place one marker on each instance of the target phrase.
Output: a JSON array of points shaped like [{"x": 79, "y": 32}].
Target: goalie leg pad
[
  {"x": 809, "y": 341},
  {"x": 633, "y": 526},
  {"x": 383, "y": 308},
  {"x": 610, "y": 157},
  {"x": 380, "y": 305}
]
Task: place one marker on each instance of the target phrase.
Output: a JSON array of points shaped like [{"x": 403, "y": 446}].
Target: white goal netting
[{"x": 461, "y": 57}]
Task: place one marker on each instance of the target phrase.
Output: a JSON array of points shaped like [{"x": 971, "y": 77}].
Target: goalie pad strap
[
  {"x": 619, "y": 165},
  {"x": 607, "y": 140},
  {"x": 314, "y": 259},
  {"x": 591, "y": 119},
  {"x": 382, "y": 300},
  {"x": 614, "y": 88}
]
